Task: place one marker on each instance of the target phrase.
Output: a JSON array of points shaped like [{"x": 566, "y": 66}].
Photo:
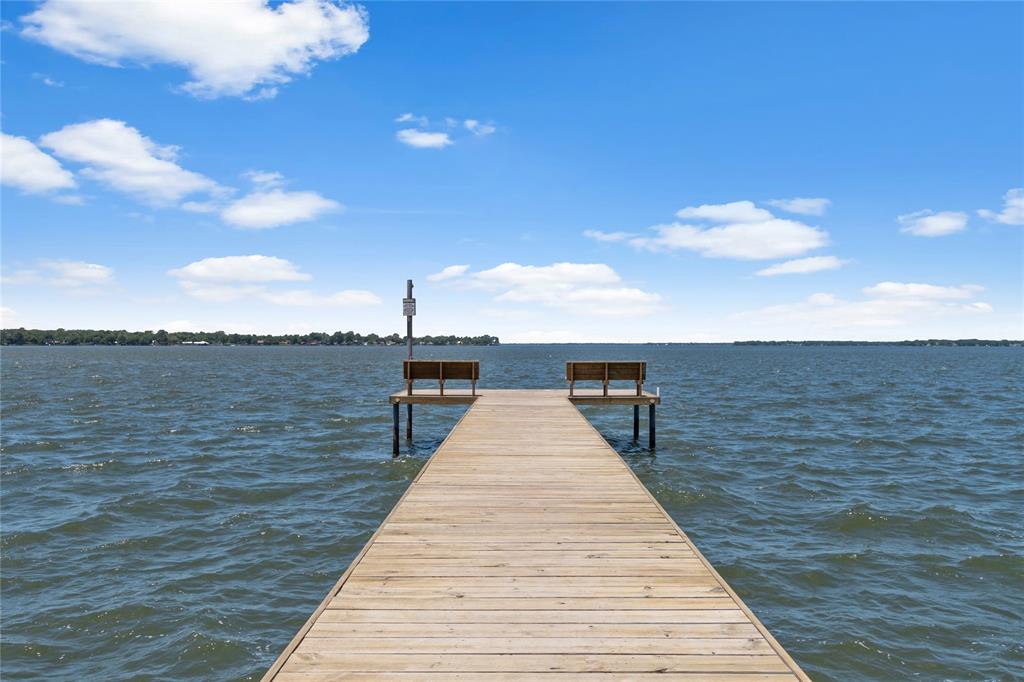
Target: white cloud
[
  {"x": 477, "y": 128},
  {"x": 239, "y": 48},
  {"x": 887, "y": 305},
  {"x": 775, "y": 238},
  {"x": 219, "y": 293},
  {"x": 69, "y": 274},
  {"x": 931, "y": 224},
  {"x": 267, "y": 205},
  {"x": 561, "y": 276},
  {"x": 822, "y": 299},
  {"x": 233, "y": 278},
  {"x": 25, "y": 276},
  {"x": 602, "y": 236},
  {"x": 581, "y": 288},
  {"x": 264, "y": 179},
  {"x": 912, "y": 290},
  {"x": 738, "y": 230},
  {"x": 802, "y": 266},
  {"x": 25, "y": 166},
  {"x": 450, "y": 272},
  {"x": 304, "y": 298},
  {"x": 201, "y": 206},
  {"x": 802, "y": 205},
  {"x": 412, "y": 118},
  {"x": 601, "y": 301},
  {"x": 254, "y": 268},
  {"x": 46, "y": 80},
  {"x": 8, "y": 317},
  {"x": 120, "y": 156},
  {"x": 734, "y": 212},
  {"x": 1013, "y": 209},
  {"x": 423, "y": 139},
  {"x": 266, "y": 209},
  {"x": 76, "y": 273}
]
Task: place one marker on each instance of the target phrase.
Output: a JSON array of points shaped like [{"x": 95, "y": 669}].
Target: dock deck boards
[{"x": 526, "y": 546}]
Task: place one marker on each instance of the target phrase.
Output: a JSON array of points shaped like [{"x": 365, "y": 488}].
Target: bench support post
[
  {"x": 650, "y": 427},
  {"x": 408, "y": 421},
  {"x": 636, "y": 423},
  {"x": 394, "y": 430}
]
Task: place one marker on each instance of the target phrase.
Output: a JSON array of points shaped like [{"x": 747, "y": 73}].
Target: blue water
[{"x": 177, "y": 513}]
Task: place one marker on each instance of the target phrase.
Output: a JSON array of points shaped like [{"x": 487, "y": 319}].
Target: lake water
[{"x": 177, "y": 513}]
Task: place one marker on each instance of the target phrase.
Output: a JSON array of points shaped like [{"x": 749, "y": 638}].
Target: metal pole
[
  {"x": 408, "y": 319},
  {"x": 636, "y": 423},
  {"x": 408, "y": 345},
  {"x": 394, "y": 430},
  {"x": 650, "y": 427}
]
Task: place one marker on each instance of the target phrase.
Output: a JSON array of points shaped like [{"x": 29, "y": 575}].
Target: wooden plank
[
  {"x": 547, "y": 630},
  {"x": 342, "y": 676},
  {"x": 513, "y": 617},
  {"x": 536, "y": 645},
  {"x": 345, "y": 601},
  {"x": 532, "y": 663},
  {"x": 527, "y": 549}
]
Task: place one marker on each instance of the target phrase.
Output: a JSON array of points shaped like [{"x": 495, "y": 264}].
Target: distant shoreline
[
  {"x": 93, "y": 337},
  {"x": 120, "y": 337}
]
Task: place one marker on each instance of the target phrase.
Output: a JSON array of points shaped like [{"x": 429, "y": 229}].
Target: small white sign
[{"x": 408, "y": 307}]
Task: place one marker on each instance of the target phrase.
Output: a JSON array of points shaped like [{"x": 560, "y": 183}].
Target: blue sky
[{"x": 544, "y": 172}]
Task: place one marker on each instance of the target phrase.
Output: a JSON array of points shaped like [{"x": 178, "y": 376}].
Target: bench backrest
[
  {"x": 438, "y": 370},
  {"x": 606, "y": 371}
]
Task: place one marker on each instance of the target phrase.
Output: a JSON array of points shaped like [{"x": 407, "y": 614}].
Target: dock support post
[
  {"x": 650, "y": 426},
  {"x": 636, "y": 423},
  {"x": 408, "y": 421},
  {"x": 394, "y": 430}
]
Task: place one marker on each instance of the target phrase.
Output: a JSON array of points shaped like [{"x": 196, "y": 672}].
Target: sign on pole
[{"x": 408, "y": 307}]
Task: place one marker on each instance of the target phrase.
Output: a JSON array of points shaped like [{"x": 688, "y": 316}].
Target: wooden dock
[{"x": 527, "y": 549}]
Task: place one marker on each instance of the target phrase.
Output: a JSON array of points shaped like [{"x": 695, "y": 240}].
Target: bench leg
[
  {"x": 408, "y": 421},
  {"x": 650, "y": 427},
  {"x": 408, "y": 387},
  {"x": 473, "y": 389},
  {"x": 572, "y": 384},
  {"x": 636, "y": 423},
  {"x": 441, "y": 384},
  {"x": 605, "y": 388},
  {"x": 394, "y": 430}
]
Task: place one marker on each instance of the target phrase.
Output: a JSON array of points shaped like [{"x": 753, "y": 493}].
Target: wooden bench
[
  {"x": 605, "y": 372},
  {"x": 441, "y": 371}
]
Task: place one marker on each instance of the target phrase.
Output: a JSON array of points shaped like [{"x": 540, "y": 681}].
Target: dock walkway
[{"x": 526, "y": 549}]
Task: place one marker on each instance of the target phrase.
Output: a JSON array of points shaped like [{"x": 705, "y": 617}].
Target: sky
[{"x": 659, "y": 172}]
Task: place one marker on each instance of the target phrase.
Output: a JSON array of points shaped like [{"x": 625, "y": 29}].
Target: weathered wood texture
[
  {"x": 581, "y": 396},
  {"x": 527, "y": 549},
  {"x": 441, "y": 371},
  {"x": 606, "y": 371}
]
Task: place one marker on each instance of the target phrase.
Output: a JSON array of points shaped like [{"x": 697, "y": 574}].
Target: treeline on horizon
[
  {"x": 100, "y": 337},
  {"x": 918, "y": 342}
]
